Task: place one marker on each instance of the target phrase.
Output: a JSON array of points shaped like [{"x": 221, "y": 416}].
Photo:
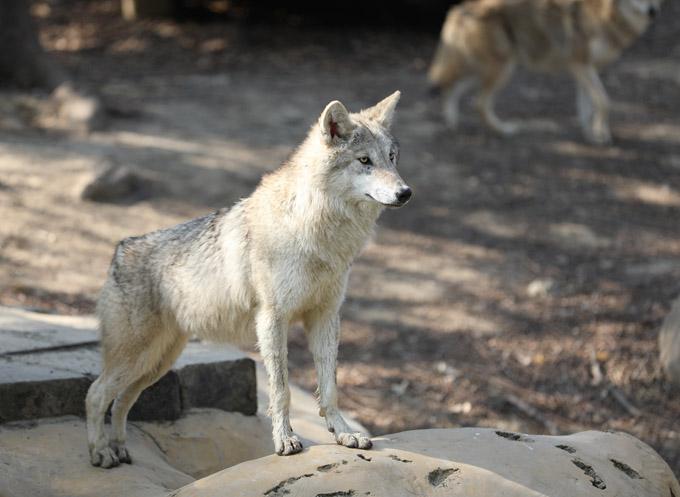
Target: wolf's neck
[
  {"x": 326, "y": 221},
  {"x": 332, "y": 227}
]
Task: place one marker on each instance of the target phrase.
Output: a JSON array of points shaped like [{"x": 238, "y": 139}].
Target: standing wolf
[
  {"x": 483, "y": 40},
  {"x": 281, "y": 255}
]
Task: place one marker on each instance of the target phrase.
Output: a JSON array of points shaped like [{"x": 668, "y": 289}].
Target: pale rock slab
[{"x": 455, "y": 462}]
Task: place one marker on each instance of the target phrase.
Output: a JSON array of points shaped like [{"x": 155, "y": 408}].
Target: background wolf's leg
[
  {"x": 584, "y": 107},
  {"x": 452, "y": 101},
  {"x": 597, "y": 127},
  {"x": 324, "y": 335},
  {"x": 492, "y": 82},
  {"x": 166, "y": 356},
  {"x": 272, "y": 335}
]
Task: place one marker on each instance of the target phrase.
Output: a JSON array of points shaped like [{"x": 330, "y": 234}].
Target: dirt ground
[{"x": 522, "y": 287}]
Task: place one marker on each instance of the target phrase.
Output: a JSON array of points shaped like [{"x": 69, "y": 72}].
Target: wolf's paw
[
  {"x": 451, "y": 120},
  {"x": 354, "y": 440},
  {"x": 104, "y": 457},
  {"x": 599, "y": 136},
  {"x": 507, "y": 128},
  {"x": 287, "y": 445},
  {"x": 121, "y": 452}
]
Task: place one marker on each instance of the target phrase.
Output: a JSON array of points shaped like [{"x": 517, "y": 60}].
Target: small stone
[
  {"x": 75, "y": 110},
  {"x": 115, "y": 183},
  {"x": 462, "y": 408},
  {"x": 540, "y": 287}
]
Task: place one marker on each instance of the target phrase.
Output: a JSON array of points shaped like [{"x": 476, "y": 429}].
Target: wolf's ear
[
  {"x": 335, "y": 122},
  {"x": 383, "y": 111}
]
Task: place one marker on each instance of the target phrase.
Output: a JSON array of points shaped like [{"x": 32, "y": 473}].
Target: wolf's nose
[
  {"x": 404, "y": 195},
  {"x": 651, "y": 11}
]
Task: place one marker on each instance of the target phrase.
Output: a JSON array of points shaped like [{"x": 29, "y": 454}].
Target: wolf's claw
[
  {"x": 288, "y": 445},
  {"x": 354, "y": 440},
  {"x": 122, "y": 453},
  {"x": 105, "y": 458}
]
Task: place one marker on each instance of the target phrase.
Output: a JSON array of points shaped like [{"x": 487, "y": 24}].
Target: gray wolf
[
  {"x": 482, "y": 41},
  {"x": 281, "y": 255}
]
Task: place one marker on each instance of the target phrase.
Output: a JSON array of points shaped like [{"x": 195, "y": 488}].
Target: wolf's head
[
  {"x": 362, "y": 154},
  {"x": 638, "y": 13}
]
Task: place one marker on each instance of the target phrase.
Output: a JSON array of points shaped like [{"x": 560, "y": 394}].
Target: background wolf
[
  {"x": 482, "y": 41},
  {"x": 281, "y": 255}
]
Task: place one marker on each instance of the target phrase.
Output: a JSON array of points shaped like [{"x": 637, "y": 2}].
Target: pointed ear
[
  {"x": 335, "y": 123},
  {"x": 383, "y": 111}
]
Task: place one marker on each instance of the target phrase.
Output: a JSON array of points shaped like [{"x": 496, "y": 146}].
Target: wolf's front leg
[
  {"x": 324, "y": 335},
  {"x": 272, "y": 335},
  {"x": 593, "y": 97}
]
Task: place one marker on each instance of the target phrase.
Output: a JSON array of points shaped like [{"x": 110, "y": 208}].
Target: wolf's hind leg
[
  {"x": 323, "y": 332},
  {"x": 99, "y": 397},
  {"x": 166, "y": 356},
  {"x": 272, "y": 335},
  {"x": 493, "y": 80}
]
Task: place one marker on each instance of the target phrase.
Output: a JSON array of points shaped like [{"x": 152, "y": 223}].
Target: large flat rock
[
  {"x": 455, "y": 462},
  {"x": 48, "y": 362}
]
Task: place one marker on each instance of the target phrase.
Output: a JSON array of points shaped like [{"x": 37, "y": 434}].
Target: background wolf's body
[
  {"x": 482, "y": 41},
  {"x": 281, "y": 255}
]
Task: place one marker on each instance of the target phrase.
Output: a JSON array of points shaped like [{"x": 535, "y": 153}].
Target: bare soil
[{"x": 522, "y": 287}]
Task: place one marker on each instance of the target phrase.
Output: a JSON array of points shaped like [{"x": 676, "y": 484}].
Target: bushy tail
[{"x": 448, "y": 62}]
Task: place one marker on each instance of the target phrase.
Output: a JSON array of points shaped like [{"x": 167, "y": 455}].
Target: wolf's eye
[
  {"x": 365, "y": 160},
  {"x": 392, "y": 156}
]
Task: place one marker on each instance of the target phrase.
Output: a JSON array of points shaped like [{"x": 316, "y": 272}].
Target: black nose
[
  {"x": 404, "y": 195},
  {"x": 651, "y": 11}
]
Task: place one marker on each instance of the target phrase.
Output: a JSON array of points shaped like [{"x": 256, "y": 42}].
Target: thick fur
[
  {"x": 281, "y": 255},
  {"x": 482, "y": 41}
]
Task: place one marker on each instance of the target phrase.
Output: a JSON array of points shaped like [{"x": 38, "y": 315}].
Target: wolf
[
  {"x": 281, "y": 255},
  {"x": 482, "y": 41}
]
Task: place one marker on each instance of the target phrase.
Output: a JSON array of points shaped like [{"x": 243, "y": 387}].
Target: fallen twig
[
  {"x": 618, "y": 396},
  {"x": 531, "y": 411}
]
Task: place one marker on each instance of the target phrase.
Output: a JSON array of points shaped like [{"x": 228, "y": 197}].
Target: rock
[
  {"x": 645, "y": 271},
  {"x": 48, "y": 362},
  {"x": 50, "y": 459},
  {"x": 115, "y": 183},
  {"x": 540, "y": 287},
  {"x": 74, "y": 110},
  {"x": 669, "y": 344},
  {"x": 578, "y": 236},
  {"x": 455, "y": 462}
]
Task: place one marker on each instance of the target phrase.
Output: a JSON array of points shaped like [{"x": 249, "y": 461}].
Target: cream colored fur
[{"x": 279, "y": 256}]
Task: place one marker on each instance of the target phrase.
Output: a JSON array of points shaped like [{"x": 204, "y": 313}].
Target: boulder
[
  {"x": 48, "y": 362},
  {"x": 111, "y": 182},
  {"x": 669, "y": 344},
  {"x": 455, "y": 462}
]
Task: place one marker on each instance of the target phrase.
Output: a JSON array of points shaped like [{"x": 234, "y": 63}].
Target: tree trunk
[{"x": 23, "y": 62}]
